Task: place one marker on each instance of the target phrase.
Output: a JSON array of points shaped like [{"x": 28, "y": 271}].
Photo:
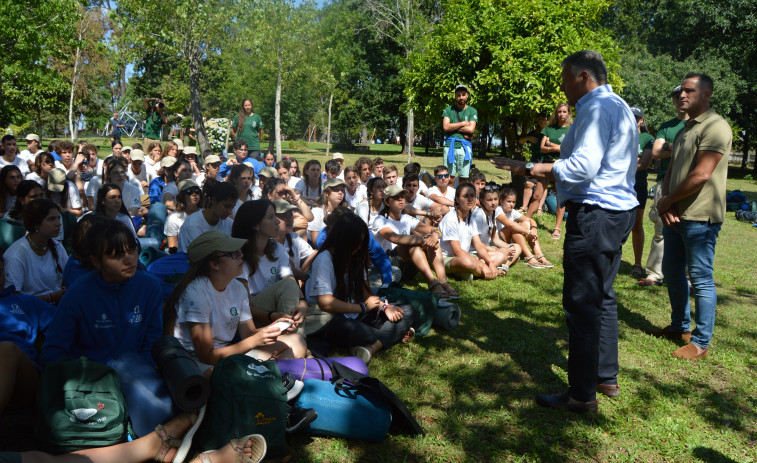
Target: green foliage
[{"x": 508, "y": 53}]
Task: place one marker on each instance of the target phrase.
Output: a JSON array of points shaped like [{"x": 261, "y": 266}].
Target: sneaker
[
  {"x": 361, "y": 352},
  {"x": 293, "y": 386},
  {"x": 298, "y": 418}
]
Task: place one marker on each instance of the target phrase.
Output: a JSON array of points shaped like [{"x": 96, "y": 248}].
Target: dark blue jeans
[{"x": 592, "y": 252}]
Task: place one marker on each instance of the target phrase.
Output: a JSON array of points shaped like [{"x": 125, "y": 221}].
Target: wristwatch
[{"x": 529, "y": 166}]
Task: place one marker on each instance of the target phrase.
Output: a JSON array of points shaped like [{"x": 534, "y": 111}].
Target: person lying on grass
[
  {"x": 405, "y": 238},
  {"x": 460, "y": 236}
]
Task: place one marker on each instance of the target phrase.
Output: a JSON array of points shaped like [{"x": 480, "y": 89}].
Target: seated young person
[
  {"x": 272, "y": 286},
  {"x": 460, "y": 236},
  {"x": 114, "y": 316},
  {"x": 338, "y": 287},
  {"x": 22, "y": 319},
  {"x": 219, "y": 201},
  {"x": 412, "y": 241},
  {"x": 277, "y": 189},
  {"x": 34, "y": 264},
  {"x": 331, "y": 198},
  {"x": 374, "y": 203},
  {"x": 485, "y": 217},
  {"x": 390, "y": 175},
  {"x": 298, "y": 249},
  {"x": 110, "y": 205},
  {"x": 242, "y": 177},
  {"x": 78, "y": 262},
  {"x": 210, "y": 307},
  {"x": 27, "y": 191},
  {"x": 442, "y": 194},
  {"x": 188, "y": 202},
  {"x": 514, "y": 227},
  {"x": 418, "y": 205}
]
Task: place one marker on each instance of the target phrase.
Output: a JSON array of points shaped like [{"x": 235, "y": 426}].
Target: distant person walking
[
  {"x": 249, "y": 127},
  {"x": 116, "y": 128}
]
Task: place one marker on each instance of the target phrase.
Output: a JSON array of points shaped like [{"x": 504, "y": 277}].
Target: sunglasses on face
[
  {"x": 194, "y": 191},
  {"x": 440, "y": 176}
]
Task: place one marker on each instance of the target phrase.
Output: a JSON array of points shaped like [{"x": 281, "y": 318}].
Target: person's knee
[{"x": 11, "y": 353}]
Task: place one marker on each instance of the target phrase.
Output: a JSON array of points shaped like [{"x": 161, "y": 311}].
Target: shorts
[
  {"x": 642, "y": 192},
  {"x": 461, "y": 167}
]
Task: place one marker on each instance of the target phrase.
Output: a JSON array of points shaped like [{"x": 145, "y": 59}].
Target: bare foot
[
  {"x": 173, "y": 429},
  {"x": 228, "y": 453}
]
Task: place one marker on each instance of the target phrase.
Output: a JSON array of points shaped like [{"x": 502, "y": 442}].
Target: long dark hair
[
  {"x": 242, "y": 116},
  {"x": 214, "y": 191},
  {"x": 100, "y": 207},
  {"x": 305, "y": 175},
  {"x": 4, "y": 193},
  {"x": 181, "y": 199},
  {"x": 34, "y": 213},
  {"x": 23, "y": 189},
  {"x": 79, "y": 244},
  {"x": 63, "y": 201},
  {"x": 458, "y": 193},
  {"x": 249, "y": 216},
  {"x": 347, "y": 234},
  {"x": 270, "y": 186},
  {"x": 238, "y": 170}
]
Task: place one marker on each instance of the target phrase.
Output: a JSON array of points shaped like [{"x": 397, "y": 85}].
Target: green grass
[{"x": 472, "y": 389}]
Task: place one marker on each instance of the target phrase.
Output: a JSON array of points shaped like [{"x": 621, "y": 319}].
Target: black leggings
[{"x": 368, "y": 328}]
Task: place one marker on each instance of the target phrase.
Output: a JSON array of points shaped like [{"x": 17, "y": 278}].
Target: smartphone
[{"x": 283, "y": 325}]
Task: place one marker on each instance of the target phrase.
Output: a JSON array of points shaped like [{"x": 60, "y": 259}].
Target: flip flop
[
  {"x": 443, "y": 294},
  {"x": 637, "y": 271},
  {"x": 556, "y": 233},
  {"x": 648, "y": 282},
  {"x": 450, "y": 290}
]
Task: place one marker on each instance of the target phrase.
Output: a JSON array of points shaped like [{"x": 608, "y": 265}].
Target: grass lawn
[{"x": 473, "y": 389}]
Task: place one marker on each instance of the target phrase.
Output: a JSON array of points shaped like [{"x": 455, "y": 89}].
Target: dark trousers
[
  {"x": 592, "y": 251},
  {"x": 367, "y": 328}
]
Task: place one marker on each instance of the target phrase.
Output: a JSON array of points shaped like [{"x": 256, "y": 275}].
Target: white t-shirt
[
  {"x": 223, "y": 310},
  {"x": 404, "y": 226},
  {"x": 421, "y": 202},
  {"x": 454, "y": 230},
  {"x": 18, "y": 161},
  {"x": 27, "y": 156},
  {"x": 268, "y": 272},
  {"x": 73, "y": 201},
  {"x": 195, "y": 225},
  {"x": 359, "y": 196},
  {"x": 293, "y": 182},
  {"x": 174, "y": 223},
  {"x": 485, "y": 224},
  {"x": 450, "y": 194},
  {"x": 130, "y": 195},
  {"x": 318, "y": 219},
  {"x": 322, "y": 280},
  {"x": 364, "y": 211},
  {"x": 137, "y": 179},
  {"x": 34, "y": 176},
  {"x": 300, "y": 248},
  {"x": 126, "y": 220},
  {"x": 32, "y": 274},
  {"x": 513, "y": 215}
]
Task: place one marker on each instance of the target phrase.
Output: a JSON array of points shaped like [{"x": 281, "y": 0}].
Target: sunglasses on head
[{"x": 442, "y": 175}]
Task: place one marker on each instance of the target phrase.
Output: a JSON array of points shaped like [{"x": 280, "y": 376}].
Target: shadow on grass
[{"x": 711, "y": 456}]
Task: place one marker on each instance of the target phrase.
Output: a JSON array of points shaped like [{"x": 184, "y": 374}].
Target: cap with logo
[{"x": 212, "y": 241}]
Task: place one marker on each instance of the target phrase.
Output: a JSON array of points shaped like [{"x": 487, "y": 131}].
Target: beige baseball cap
[
  {"x": 212, "y": 241},
  {"x": 282, "y": 206},
  {"x": 167, "y": 161},
  {"x": 337, "y": 156},
  {"x": 137, "y": 155},
  {"x": 394, "y": 190},
  {"x": 56, "y": 180},
  {"x": 187, "y": 184},
  {"x": 190, "y": 150},
  {"x": 332, "y": 182},
  {"x": 268, "y": 171},
  {"x": 179, "y": 144},
  {"x": 211, "y": 159},
  {"x": 32, "y": 136}
]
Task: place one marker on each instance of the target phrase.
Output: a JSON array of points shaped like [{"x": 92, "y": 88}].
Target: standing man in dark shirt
[
  {"x": 116, "y": 126},
  {"x": 155, "y": 120},
  {"x": 663, "y": 146},
  {"x": 459, "y": 122}
]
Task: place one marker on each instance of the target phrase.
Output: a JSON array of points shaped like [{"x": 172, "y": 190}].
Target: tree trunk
[
  {"x": 328, "y": 133},
  {"x": 364, "y": 135},
  {"x": 73, "y": 132},
  {"x": 194, "y": 98},
  {"x": 745, "y": 150},
  {"x": 277, "y": 112},
  {"x": 483, "y": 137},
  {"x": 410, "y": 138},
  {"x": 427, "y": 140}
]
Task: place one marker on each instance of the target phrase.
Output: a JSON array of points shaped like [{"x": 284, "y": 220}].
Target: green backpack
[
  {"x": 80, "y": 405},
  {"x": 247, "y": 397}
]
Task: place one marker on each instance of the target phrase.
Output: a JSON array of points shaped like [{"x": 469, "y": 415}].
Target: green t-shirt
[
  {"x": 668, "y": 131},
  {"x": 451, "y": 112},
  {"x": 252, "y": 125},
  {"x": 556, "y": 136},
  {"x": 152, "y": 126}
]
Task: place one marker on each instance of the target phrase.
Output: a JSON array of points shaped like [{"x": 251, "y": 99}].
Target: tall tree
[
  {"x": 184, "y": 28},
  {"x": 404, "y": 22}
]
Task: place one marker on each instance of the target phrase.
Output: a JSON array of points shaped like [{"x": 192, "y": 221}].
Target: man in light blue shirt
[{"x": 595, "y": 180}]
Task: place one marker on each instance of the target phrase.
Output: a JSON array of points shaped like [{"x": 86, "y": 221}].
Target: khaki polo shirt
[{"x": 708, "y": 132}]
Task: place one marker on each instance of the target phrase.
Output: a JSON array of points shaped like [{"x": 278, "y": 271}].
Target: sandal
[
  {"x": 556, "y": 234},
  {"x": 168, "y": 443},
  {"x": 648, "y": 282},
  {"x": 442, "y": 293},
  {"x": 544, "y": 262},
  {"x": 535, "y": 264},
  {"x": 450, "y": 290},
  {"x": 408, "y": 336},
  {"x": 637, "y": 271},
  {"x": 259, "y": 449},
  {"x": 504, "y": 269}
]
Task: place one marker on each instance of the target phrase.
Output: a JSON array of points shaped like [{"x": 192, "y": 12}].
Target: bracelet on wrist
[
  {"x": 363, "y": 308},
  {"x": 437, "y": 232}
]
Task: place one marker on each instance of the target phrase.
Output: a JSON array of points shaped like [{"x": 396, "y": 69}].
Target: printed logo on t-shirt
[
  {"x": 274, "y": 270},
  {"x": 136, "y": 316},
  {"x": 104, "y": 322},
  {"x": 561, "y": 138},
  {"x": 16, "y": 310},
  {"x": 234, "y": 312}
]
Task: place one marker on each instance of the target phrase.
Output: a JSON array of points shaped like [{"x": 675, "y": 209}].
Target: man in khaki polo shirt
[{"x": 692, "y": 210}]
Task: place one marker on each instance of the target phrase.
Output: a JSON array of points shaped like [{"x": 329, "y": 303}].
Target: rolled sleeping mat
[
  {"x": 150, "y": 254},
  {"x": 447, "y": 315},
  {"x": 319, "y": 368},
  {"x": 189, "y": 389}
]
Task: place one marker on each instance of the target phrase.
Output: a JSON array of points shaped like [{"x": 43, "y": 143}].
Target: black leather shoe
[
  {"x": 610, "y": 390},
  {"x": 566, "y": 402},
  {"x": 298, "y": 418}
]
